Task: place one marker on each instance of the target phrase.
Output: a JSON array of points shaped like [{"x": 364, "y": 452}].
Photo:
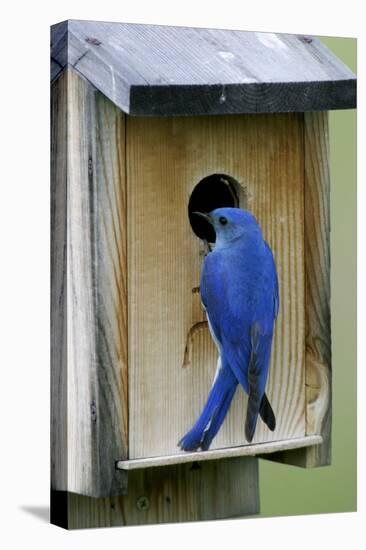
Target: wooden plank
[
  {"x": 89, "y": 334},
  {"x": 211, "y": 490},
  {"x": 59, "y": 283},
  {"x": 79, "y": 47},
  {"x": 157, "y": 70},
  {"x": 110, "y": 202},
  {"x": 247, "y": 450},
  {"x": 59, "y": 48},
  {"x": 217, "y": 99},
  {"x": 166, "y": 158},
  {"x": 317, "y": 293},
  {"x": 317, "y": 277}
]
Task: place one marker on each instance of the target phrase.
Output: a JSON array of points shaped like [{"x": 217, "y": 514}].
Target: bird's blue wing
[
  {"x": 276, "y": 297},
  {"x": 257, "y": 377},
  {"x": 230, "y": 328}
]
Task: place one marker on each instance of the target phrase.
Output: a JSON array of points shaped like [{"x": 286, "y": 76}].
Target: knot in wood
[
  {"x": 93, "y": 411},
  {"x": 94, "y": 41}
]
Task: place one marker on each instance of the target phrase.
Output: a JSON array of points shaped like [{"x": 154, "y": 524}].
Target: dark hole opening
[{"x": 215, "y": 191}]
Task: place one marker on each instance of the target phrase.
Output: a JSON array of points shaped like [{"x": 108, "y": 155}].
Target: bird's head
[{"x": 231, "y": 224}]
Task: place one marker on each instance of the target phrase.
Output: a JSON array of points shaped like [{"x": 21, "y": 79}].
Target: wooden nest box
[{"x": 148, "y": 124}]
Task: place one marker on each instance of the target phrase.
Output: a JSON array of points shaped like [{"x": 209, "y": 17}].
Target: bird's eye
[{"x": 223, "y": 220}]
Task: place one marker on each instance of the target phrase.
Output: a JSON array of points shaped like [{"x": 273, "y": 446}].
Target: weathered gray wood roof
[{"x": 156, "y": 70}]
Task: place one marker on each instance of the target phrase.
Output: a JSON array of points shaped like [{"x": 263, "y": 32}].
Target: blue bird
[{"x": 239, "y": 291}]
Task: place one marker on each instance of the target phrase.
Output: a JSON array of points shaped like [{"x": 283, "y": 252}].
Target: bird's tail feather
[
  {"x": 267, "y": 414},
  {"x": 213, "y": 413},
  {"x": 251, "y": 419},
  {"x": 218, "y": 418}
]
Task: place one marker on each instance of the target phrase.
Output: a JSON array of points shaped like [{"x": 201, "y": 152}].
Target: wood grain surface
[
  {"x": 166, "y": 158},
  {"x": 159, "y": 70},
  {"x": 211, "y": 490},
  {"x": 317, "y": 296},
  {"x": 244, "y": 450},
  {"x": 89, "y": 324},
  {"x": 317, "y": 277},
  {"x": 59, "y": 288}
]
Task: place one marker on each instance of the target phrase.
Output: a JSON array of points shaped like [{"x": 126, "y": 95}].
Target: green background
[{"x": 288, "y": 490}]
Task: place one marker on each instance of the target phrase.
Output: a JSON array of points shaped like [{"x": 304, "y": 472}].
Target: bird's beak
[{"x": 205, "y": 217}]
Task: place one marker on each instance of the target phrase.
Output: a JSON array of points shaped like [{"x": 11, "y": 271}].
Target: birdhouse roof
[{"x": 159, "y": 70}]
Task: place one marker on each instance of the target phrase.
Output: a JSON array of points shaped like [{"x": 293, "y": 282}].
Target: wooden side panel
[
  {"x": 218, "y": 489},
  {"x": 109, "y": 189},
  {"x": 317, "y": 271},
  {"x": 89, "y": 341},
  {"x": 166, "y": 158},
  {"x": 59, "y": 287},
  {"x": 317, "y": 295},
  {"x": 82, "y": 390}
]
